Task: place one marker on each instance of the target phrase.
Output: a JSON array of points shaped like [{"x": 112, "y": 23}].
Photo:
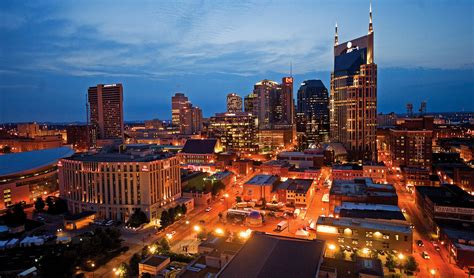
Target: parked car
[
  {"x": 425, "y": 255},
  {"x": 208, "y": 209},
  {"x": 420, "y": 243}
]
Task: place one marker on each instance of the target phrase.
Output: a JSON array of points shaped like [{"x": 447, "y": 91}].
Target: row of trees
[
  {"x": 171, "y": 215},
  {"x": 55, "y": 205},
  {"x": 409, "y": 265},
  {"x": 15, "y": 215}
]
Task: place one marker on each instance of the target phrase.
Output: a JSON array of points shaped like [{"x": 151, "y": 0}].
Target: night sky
[{"x": 51, "y": 52}]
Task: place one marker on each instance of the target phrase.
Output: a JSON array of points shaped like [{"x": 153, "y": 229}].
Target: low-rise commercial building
[
  {"x": 153, "y": 265},
  {"x": 445, "y": 205},
  {"x": 376, "y": 171},
  {"x": 26, "y": 144},
  {"x": 114, "y": 182},
  {"x": 373, "y": 234},
  {"x": 260, "y": 187},
  {"x": 296, "y": 192},
  {"x": 361, "y": 190},
  {"x": 306, "y": 159}
]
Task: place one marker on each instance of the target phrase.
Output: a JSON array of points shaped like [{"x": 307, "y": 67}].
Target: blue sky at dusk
[{"x": 52, "y": 51}]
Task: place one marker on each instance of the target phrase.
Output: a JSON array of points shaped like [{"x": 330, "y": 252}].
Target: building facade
[
  {"x": 353, "y": 103},
  {"x": 114, "y": 183},
  {"x": 411, "y": 143},
  {"x": 313, "y": 112},
  {"x": 236, "y": 131},
  {"x": 234, "y": 103},
  {"x": 373, "y": 234},
  {"x": 106, "y": 110},
  {"x": 184, "y": 115}
]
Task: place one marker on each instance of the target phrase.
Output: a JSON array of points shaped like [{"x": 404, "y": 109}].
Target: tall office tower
[
  {"x": 184, "y": 115},
  {"x": 236, "y": 131},
  {"x": 196, "y": 119},
  {"x": 234, "y": 103},
  {"x": 250, "y": 103},
  {"x": 265, "y": 104},
  {"x": 106, "y": 110},
  {"x": 313, "y": 111},
  {"x": 354, "y": 96},
  {"x": 286, "y": 102}
]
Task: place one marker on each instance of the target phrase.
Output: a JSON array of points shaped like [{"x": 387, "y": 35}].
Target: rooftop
[
  {"x": 361, "y": 186},
  {"x": 373, "y": 224},
  {"x": 373, "y": 211},
  {"x": 446, "y": 195},
  {"x": 155, "y": 260},
  {"x": 265, "y": 255},
  {"x": 298, "y": 185},
  {"x": 132, "y": 153},
  {"x": 17, "y": 163},
  {"x": 262, "y": 179},
  {"x": 198, "y": 146}
]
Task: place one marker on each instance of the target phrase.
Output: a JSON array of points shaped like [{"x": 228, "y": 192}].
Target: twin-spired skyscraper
[{"x": 353, "y": 101}]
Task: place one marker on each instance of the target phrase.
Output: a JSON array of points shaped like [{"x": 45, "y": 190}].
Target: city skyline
[{"x": 76, "y": 50}]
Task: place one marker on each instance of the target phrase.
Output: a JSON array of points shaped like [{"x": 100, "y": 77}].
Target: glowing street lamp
[
  {"x": 332, "y": 247},
  {"x": 152, "y": 249},
  {"x": 365, "y": 251},
  {"x": 197, "y": 228},
  {"x": 219, "y": 231},
  {"x": 433, "y": 272},
  {"x": 401, "y": 256}
]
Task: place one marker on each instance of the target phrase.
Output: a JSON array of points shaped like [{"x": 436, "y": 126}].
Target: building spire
[
  {"x": 371, "y": 29},
  {"x": 336, "y": 37}
]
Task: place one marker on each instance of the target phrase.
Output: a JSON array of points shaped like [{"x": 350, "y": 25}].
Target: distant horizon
[{"x": 217, "y": 49}]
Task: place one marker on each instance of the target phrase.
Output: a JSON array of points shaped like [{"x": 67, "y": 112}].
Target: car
[
  {"x": 425, "y": 255},
  {"x": 437, "y": 248},
  {"x": 208, "y": 209},
  {"x": 420, "y": 243}
]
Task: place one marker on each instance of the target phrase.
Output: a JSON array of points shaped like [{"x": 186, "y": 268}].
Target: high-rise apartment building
[
  {"x": 236, "y": 131},
  {"x": 185, "y": 116},
  {"x": 234, "y": 103},
  {"x": 313, "y": 112},
  {"x": 411, "y": 143},
  {"x": 353, "y": 103},
  {"x": 106, "y": 110}
]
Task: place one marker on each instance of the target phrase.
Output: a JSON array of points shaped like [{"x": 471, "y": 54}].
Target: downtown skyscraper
[
  {"x": 106, "y": 110},
  {"x": 313, "y": 112},
  {"x": 234, "y": 103},
  {"x": 353, "y": 103},
  {"x": 184, "y": 115}
]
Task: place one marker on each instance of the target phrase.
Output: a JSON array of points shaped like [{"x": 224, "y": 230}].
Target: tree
[
  {"x": 217, "y": 186},
  {"x": 39, "y": 204},
  {"x": 184, "y": 209},
  {"x": 7, "y": 149},
  {"x": 171, "y": 215},
  {"x": 238, "y": 199},
  {"x": 411, "y": 264},
  {"x": 134, "y": 261},
  {"x": 390, "y": 262},
  {"x": 137, "y": 218},
  {"x": 340, "y": 255},
  {"x": 165, "y": 220},
  {"x": 50, "y": 201},
  {"x": 15, "y": 215},
  {"x": 164, "y": 245}
]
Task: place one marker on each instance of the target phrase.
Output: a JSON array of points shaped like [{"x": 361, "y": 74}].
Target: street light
[
  {"x": 401, "y": 256},
  {"x": 433, "y": 272},
  {"x": 197, "y": 228},
  {"x": 219, "y": 231},
  {"x": 332, "y": 247}
]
